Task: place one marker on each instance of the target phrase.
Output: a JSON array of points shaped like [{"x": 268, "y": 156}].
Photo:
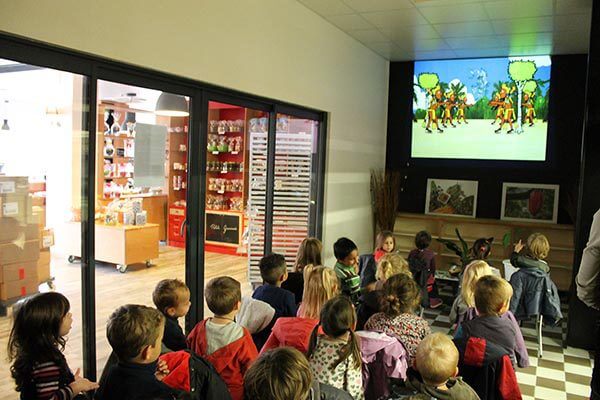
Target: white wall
[{"x": 273, "y": 48}]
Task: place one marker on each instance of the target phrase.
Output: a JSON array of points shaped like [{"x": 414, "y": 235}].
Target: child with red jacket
[{"x": 225, "y": 344}]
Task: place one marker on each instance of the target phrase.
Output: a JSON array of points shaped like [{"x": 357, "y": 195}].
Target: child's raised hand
[
  {"x": 81, "y": 384},
  {"x": 519, "y": 246},
  {"x": 162, "y": 370}
]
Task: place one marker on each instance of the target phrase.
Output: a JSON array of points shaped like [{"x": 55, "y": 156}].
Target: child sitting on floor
[
  {"x": 35, "y": 348},
  {"x": 309, "y": 253},
  {"x": 437, "y": 363},
  {"x": 225, "y": 344},
  {"x": 385, "y": 243},
  {"x": 284, "y": 374},
  {"x": 465, "y": 300},
  {"x": 172, "y": 298},
  {"x": 346, "y": 267},
  {"x": 492, "y": 299},
  {"x": 334, "y": 356}
]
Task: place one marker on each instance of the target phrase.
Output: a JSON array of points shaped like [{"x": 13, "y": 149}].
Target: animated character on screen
[
  {"x": 522, "y": 73},
  {"x": 449, "y": 104},
  {"x": 498, "y": 106},
  {"x": 429, "y": 82},
  {"x": 508, "y": 105},
  {"x": 435, "y": 101},
  {"x": 462, "y": 104}
]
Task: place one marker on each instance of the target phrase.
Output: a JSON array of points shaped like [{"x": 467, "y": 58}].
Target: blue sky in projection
[{"x": 479, "y": 75}]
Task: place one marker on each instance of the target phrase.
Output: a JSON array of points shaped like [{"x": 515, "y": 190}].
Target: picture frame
[
  {"x": 529, "y": 202},
  {"x": 451, "y": 197}
]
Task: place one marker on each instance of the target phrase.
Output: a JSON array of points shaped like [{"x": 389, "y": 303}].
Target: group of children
[{"x": 294, "y": 338}]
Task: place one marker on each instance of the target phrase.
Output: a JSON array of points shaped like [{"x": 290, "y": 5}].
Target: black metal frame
[{"x": 93, "y": 68}]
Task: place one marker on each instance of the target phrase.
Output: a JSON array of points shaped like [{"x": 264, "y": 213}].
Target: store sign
[{"x": 223, "y": 228}]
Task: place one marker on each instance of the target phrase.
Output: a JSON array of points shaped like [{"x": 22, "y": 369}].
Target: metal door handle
[{"x": 183, "y": 224}]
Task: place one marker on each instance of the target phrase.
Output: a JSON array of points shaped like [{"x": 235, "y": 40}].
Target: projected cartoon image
[{"x": 495, "y": 108}]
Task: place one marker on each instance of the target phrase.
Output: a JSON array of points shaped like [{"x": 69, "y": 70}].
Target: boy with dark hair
[
  {"x": 221, "y": 341},
  {"x": 421, "y": 262},
  {"x": 492, "y": 299},
  {"x": 273, "y": 271},
  {"x": 172, "y": 298},
  {"x": 135, "y": 334},
  {"x": 346, "y": 267}
]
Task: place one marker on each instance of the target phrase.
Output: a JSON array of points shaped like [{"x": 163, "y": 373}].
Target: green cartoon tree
[
  {"x": 428, "y": 80},
  {"x": 521, "y": 72}
]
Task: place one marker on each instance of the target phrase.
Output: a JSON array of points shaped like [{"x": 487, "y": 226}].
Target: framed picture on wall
[
  {"x": 451, "y": 197},
  {"x": 531, "y": 202}
]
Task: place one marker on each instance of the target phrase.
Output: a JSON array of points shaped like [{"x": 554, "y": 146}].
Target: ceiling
[{"x": 401, "y": 30}]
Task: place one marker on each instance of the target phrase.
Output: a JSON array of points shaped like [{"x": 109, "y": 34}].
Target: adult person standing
[{"x": 588, "y": 291}]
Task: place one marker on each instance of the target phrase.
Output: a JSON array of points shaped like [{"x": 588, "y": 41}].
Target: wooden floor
[{"x": 112, "y": 290}]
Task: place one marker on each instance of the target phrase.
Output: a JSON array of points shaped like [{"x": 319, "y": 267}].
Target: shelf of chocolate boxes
[
  {"x": 224, "y": 203},
  {"x": 126, "y": 212},
  {"x": 221, "y": 144},
  {"x": 225, "y": 185}
]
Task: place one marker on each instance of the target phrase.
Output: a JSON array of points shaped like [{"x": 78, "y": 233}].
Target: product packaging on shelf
[{"x": 141, "y": 218}]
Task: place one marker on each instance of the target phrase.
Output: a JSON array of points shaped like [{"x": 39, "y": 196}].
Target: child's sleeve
[
  {"x": 249, "y": 354},
  {"x": 520, "y": 349},
  {"x": 46, "y": 378}
]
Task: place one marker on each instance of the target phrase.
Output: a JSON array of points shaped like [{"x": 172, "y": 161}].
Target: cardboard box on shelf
[
  {"x": 19, "y": 251},
  {"x": 14, "y": 185},
  {"x": 18, "y": 271},
  {"x": 15, "y": 289},
  {"x": 46, "y": 238},
  {"x": 43, "y": 266},
  {"x": 12, "y": 230},
  {"x": 17, "y": 206}
]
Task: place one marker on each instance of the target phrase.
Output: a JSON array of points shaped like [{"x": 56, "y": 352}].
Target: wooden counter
[
  {"x": 118, "y": 244},
  {"x": 155, "y": 206}
]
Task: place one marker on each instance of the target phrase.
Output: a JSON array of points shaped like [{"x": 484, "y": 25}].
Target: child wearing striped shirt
[
  {"x": 35, "y": 347},
  {"x": 346, "y": 267}
]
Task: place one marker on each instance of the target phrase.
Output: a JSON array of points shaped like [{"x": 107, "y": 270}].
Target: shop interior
[{"x": 142, "y": 138}]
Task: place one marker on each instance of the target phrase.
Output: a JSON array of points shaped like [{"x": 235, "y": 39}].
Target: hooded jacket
[
  {"x": 488, "y": 369},
  {"x": 534, "y": 293},
  {"x": 189, "y": 371},
  {"x": 383, "y": 357},
  {"x": 294, "y": 332},
  {"x": 231, "y": 362},
  {"x": 521, "y": 261}
]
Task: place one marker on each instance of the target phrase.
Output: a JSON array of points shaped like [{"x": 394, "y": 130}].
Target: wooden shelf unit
[{"x": 561, "y": 238}]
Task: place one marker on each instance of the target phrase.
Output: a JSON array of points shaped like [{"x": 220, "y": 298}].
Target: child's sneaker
[{"x": 435, "y": 302}]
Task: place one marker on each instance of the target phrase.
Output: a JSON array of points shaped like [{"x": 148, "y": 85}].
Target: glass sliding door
[
  {"x": 141, "y": 193},
  {"x": 41, "y": 131},
  {"x": 294, "y": 185}
]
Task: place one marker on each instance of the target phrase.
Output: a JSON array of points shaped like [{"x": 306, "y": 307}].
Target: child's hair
[
  {"x": 473, "y": 271},
  {"x": 222, "y": 295},
  {"x": 391, "y": 264},
  {"x": 35, "y": 335},
  {"x": 538, "y": 246},
  {"x": 481, "y": 248},
  {"x": 436, "y": 359},
  {"x": 381, "y": 238},
  {"x": 343, "y": 247},
  {"x": 272, "y": 268},
  {"x": 337, "y": 318},
  {"x": 165, "y": 294},
  {"x": 278, "y": 374},
  {"x": 401, "y": 295},
  {"x": 491, "y": 294},
  {"x": 422, "y": 240},
  {"x": 320, "y": 285},
  {"x": 309, "y": 253},
  {"x": 131, "y": 327}
]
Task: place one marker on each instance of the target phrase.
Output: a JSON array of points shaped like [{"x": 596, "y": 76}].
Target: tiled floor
[{"x": 562, "y": 373}]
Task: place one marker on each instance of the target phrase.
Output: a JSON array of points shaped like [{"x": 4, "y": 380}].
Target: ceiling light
[{"x": 171, "y": 105}]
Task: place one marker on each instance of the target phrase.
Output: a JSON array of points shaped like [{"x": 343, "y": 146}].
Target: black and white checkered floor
[{"x": 562, "y": 373}]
